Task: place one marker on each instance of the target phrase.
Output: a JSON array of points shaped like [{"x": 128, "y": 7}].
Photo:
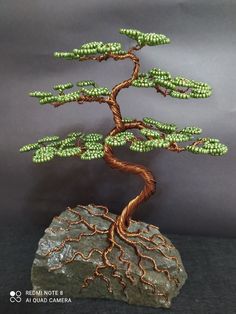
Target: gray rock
[{"x": 59, "y": 264}]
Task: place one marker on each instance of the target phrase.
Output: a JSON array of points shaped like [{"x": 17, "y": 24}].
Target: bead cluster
[
  {"x": 68, "y": 97},
  {"x": 127, "y": 119},
  {"x": 119, "y": 139},
  {"x": 69, "y": 152},
  {"x": 93, "y": 145},
  {"x": 96, "y": 91},
  {"x": 140, "y": 146},
  {"x": 48, "y": 139},
  {"x": 93, "y": 137},
  {"x": 131, "y": 33},
  {"x": 44, "y": 154},
  {"x": 29, "y": 147},
  {"x": 39, "y": 94},
  {"x": 68, "y": 142},
  {"x": 158, "y": 78},
  {"x": 62, "y": 87},
  {"x": 158, "y": 143},
  {"x": 115, "y": 141},
  {"x": 148, "y": 133},
  {"x": 179, "y": 95},
  {"x": 178, "y": 137},
  {"x": 92, "y": 154},
  {"x": 191, "y": 130},
  {"x": 92, "y": 48},
  {"x": 214, "y": 148},
  {"x": 149, "y": 39},
  {"x": 162, "y": 126},
  {"x": 48, "y": 98},
  {"x": 86, "y": 83},
  {"x": 49, "y": 147}
]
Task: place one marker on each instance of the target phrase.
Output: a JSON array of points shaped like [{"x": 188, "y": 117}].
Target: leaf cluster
[
  {"x": 86, "y": 88},
  {"x": 159, "y": 134},
  {"x": 177, "y": 87},
  {"x": 85, "y": 146},
  {"x": 93, "y": 48},
  {"x": 149, "y": 39}
]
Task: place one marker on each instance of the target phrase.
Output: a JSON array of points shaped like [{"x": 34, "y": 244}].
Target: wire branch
[
  {"x": 164, "y": 92},
  {"x": 175, "y": 148},
  {"x": 83, "y": 99},
  {"x": 111, "y": 100}
]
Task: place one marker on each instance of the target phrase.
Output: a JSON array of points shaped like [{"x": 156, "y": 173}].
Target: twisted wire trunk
[{"x": 148, "y": 189}]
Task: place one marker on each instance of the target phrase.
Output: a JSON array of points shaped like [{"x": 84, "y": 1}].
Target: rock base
[{"x": 76, "y": 256}]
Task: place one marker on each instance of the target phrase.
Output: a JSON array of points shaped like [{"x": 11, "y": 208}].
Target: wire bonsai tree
[{"x": 153, "y": 134}]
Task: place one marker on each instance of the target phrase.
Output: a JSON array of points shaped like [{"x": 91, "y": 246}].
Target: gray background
[{"x": 195, "y": 194}]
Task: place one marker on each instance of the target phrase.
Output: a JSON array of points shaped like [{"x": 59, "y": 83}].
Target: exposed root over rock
[{"x": 150, "y": 248}]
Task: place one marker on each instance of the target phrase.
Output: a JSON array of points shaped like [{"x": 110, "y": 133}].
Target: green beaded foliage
[
  {"x": 68, "y": 152},
  {"x": 164, "y": 135},
  {"x": 96, "y": 91},
  {"x": 62, "y": 87},
  {"x": 127, "y": 120},
  {"x": 158, "y": 143},
  {"x": 170, "y": 134},
  {"x": 29, "y": 147},
  {"x": 93, "y": 146},
  {"x": 90, "y": 49},
  {"x": 44, "y": 154},
  {"x": 93, "y": 137},
  {"x": 177, "y": 87},
  {"x": 140, "y": 146},
  {"x": 149, "y": 39},
  {"x": 86, "y": 83},
  {"x": 48, "y": 139},
  {"x": 150, "y": 133},
  {"x": 162, "y": 126},
  {"x": 153, "y": 134},
  {"x": 210, "y": 146},
  {"x": 39, "y": 94},
  {"x": 191, "y": 130},
  {"x": 92, "y": 154},
  {"x": 156, "y": 135},
  {"x": 178, "y": 137},
  {"x": 119, "y": 139},
  {"x": 87, "y": 88},
  {"x": 62, "y": 98},
  {"x": 86, "y": 146},
  {"x": 75, "y": 135}
]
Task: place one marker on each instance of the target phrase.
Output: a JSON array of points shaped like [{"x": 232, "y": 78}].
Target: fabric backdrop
[{"x": 195, "y": 194}]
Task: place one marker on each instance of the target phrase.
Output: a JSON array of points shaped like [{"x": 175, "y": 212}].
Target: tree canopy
[{"x": 153, "y": 134}]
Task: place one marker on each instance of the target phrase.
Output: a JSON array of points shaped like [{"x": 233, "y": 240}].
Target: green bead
[
  {"x": 69, "y": 152},
  {"x": 191, "y": 130},
  {"x": 94, "y": 146},
  {"x": 40, "y": 94},
  {"x": 48, "y": 139},
  {"x": 178, "y": 137},
  {"x": 179, "y": 95},
  {"x": 29, "y": 147},
  {"x": 115, "y": 140},
  {"x": 150, "y": 133},
  {"x": 93, "y": 137},
  {"x": 140, "y": 146},
  {"x": 90, "y": 154},
  {"x": 62, "y": 87},
  {"x": 44, "y": 154}
]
